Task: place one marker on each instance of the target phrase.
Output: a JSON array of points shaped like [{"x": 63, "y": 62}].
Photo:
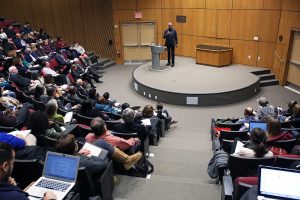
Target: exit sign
[{"x": 138, "y": 15}]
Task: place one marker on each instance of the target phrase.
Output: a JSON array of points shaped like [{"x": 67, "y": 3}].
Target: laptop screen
[
  {"x": 61, "y": 167},
  {"x": 261, "y": 125},
  {"x": 279, "y": 183}
]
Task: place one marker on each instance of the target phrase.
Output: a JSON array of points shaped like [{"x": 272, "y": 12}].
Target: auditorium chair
[
  {"x": 232, "y": 135},
  {"x": 27, "y": 98},
  {"x": 81, "y": 96},
  {"x": 85, "y": 185},
  {"x": 7, "y": 129},
  {"x": 285, "y": 161},
  {"x": 83, "y": 119},
  {"x": 233, "y": 126},
  {"x": 27, "y": 171},
  {"x": 227, "y": 144},
  {"x": 110, "y": 124},
  {"x": 145, "y": 145},
  {"x": 38, "y": 105},
  {"x": 284, "y": 144},
  {"x": 242, "y": 166}
]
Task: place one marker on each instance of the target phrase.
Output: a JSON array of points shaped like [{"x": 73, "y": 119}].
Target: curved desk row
[{"x": 217, "y": 56}]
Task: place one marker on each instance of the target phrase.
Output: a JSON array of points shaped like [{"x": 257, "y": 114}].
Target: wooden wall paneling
[
  {"x": 145, "y": 4},
  {"x": 193, "y": 4},
  {"x": 210, "y": 24},
  {"x": 171, "y": 4},
  {"x": 123, "y": 15},
  {"x": 273, "y": 4},
  {"x": 194, "y": 23},
  {"x": 283, "y": 27},
  {"x": 223, "y": 23},
  {"x": 246, "y": 4},
  {"x": 38, "y": 17},
  {"x": 121, "y": 4},
  {"x": 153, "y": 15},
  {"x": 165, "y": 18},
  {"x": 219, "y": 4},
  {"x": 50, "y": 24},
  {"x": 186, "y": 45},
  {"x": 251, "y": 24},
  {"x": 57, "y": 18},
  {"x": 173, "y": 14},
  {"x": 216, "y": 41},
  {"x": 266, "y": 54},
  {"x": 77, "y": 25},
  {"x": 242, "y": 50},
  {"x": 178, "y": 50},
  {"x": 237, "y": 24},
  {"x": 291, "y": 5},
  {"x": 268, "y": 23}
]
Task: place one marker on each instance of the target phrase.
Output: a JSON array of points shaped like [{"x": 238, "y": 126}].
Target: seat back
[
  {"x": 81, "y": 96},
  {"x": 240, "y": 189},
  {"x": 285, "y": 124},
  {"x": 71, "y": 78},
  {"x": 233, "y": 127},
  {"x": 38, "y": 105},
  {"x": 83, "y": 119},
  {"x": 242, "y": 166},
  {"x": 85, "y": 184},
  {"x": 105, "y": 185},
  {"x": 111, "y": 124},
  {"x": 284, "y": 144},
  {"x": 227, "y": 144},
  {"x": 53, "y": 63},
  {"x": 125, "y": 135},
  {"x": 27, "y": 171},
  {"x": 27, "y": 98},
  {"x": 7, "y": 129},
  {"x": 286, "y": 160},
  {"x": 232, "y": 135}
]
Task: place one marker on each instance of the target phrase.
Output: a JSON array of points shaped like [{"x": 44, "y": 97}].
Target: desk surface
[{"x": 213, "y": 48}]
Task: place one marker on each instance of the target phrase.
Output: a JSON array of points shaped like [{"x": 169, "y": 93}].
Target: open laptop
[
  {"x": 254, "y": 124},
  {"x": 278, "y": 183},
  {"x": 59, "y": 175}
]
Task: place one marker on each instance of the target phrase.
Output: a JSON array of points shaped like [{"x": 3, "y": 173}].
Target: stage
[{"x": 190, "y": 84}]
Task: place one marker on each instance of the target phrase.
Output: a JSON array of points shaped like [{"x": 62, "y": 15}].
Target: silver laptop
[
  {"x": 59, "y": 175},
  {"x": 278, "y": 183}
]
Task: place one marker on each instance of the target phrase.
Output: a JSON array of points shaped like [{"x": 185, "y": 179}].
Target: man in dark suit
[
  {"x": 170, "y": 35},
  {"x": 23, "y": 83}
]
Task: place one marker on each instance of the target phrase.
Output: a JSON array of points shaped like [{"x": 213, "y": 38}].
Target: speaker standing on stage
[{"x": 170, "y": 35}]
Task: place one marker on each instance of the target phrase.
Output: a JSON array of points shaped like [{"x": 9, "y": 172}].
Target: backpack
[
  {"x": 142, "y": 168},
  {"x": 218, "y": 161}
]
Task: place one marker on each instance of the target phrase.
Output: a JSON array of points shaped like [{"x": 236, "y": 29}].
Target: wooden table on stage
[{"x": 213, "y": 55}]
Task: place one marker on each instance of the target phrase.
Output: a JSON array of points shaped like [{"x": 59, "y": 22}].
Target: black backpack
[{"x": 142, "y": 168}]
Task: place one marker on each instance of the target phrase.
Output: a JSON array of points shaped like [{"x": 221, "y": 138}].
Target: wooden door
[{"x": 137, "y": 38}]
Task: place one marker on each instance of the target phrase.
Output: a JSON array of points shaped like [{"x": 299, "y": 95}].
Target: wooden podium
[{"x": 213, "y": 55}]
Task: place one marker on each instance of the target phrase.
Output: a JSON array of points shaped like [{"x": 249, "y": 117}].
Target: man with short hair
[
  {"x": 170, "y": 35},
  {"x": 98, "y": 127},
  {"x": 8, "y": 188},
  {"x": 22, "y": 82}
]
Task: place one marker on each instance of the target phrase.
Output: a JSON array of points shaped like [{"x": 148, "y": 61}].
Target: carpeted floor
[{"x": 182, "y": 156}]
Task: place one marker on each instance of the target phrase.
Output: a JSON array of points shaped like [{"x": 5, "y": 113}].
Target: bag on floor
[{"x": 142, "y": 168}]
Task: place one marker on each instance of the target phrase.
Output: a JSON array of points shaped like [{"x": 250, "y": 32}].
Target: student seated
[
  {"x": 274, "y": 131},
  {"x": 100, "y": 132},
  {"x": 88, "y": 110},
  {"x": 67, "y": 145},
  {"x": 8, "y": 186},
  {"x": 264, "y": 109},
  {"x": 257, "y": 146}
]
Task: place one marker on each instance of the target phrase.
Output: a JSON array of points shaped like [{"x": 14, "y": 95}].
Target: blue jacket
[
  {"x": 11, "y": 192},
  {"x": 15, "y": 142}
]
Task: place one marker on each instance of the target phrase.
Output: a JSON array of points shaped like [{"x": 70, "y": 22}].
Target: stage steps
[
  {"x": 102, "y": 63},
  {"x": 266, "y": 77}
]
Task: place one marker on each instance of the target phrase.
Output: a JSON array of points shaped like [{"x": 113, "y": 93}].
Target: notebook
[
  {"x": 95, "y": 150},
  {"x": 59, "y": 175},
  {"x": 278, "y": 183},
  {"x": 261, "y": 125}
]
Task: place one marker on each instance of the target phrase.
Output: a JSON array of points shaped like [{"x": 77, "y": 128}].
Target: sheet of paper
[
  {"x": 23, "y": 133},
  {"x": 68, "y": 117},
  {"x": 146, "y": 122},
  {"x": 95, "y": 151},
  {"x": 238, "y": 147}
]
